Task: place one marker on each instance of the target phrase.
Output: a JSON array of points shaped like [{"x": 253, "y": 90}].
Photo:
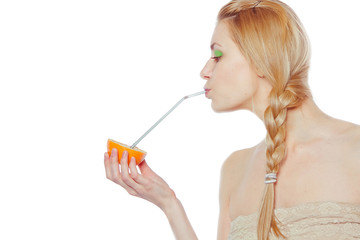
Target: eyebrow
[{"x": 212, "y": 45}]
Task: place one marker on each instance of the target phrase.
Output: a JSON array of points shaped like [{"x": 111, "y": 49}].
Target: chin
[{"x": 222, "y": 109}]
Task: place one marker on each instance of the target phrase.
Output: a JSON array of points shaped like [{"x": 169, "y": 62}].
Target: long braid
[
  {"x": 275, "y": 123},
  {"x": 272, "y": 39}
]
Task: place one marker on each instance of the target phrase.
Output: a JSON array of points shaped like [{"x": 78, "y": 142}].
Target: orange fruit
[{"x": 121, "y": 147}]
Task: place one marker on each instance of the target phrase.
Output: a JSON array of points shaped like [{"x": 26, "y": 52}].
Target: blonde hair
[{"x": 272, "y": 39}]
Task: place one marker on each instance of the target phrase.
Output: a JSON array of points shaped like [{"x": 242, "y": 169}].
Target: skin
[
  {"x": 323, "y": 153},
  {"x": 231, "y": 80},
  {"x": 148, "y": 185},
  {"x": 322, "y": 161}
]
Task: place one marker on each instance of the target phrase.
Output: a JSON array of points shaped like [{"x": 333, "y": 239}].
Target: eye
[{"x": 217, "y": 56}]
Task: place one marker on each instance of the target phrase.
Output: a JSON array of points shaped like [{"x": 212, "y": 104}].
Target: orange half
[{"x": 121, "y": 147}]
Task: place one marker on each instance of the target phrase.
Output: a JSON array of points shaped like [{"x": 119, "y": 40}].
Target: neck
[{"x": 303, "y": 124}]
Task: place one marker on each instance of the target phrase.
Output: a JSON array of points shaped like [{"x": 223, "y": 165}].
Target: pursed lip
[{"x": 207, "y": 90}]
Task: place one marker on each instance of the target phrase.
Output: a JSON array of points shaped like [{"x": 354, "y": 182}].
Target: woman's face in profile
[{"x": 230, "y": 79}]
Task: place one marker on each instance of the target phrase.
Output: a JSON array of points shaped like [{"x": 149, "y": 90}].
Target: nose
[{"x": 206, "y": 71}]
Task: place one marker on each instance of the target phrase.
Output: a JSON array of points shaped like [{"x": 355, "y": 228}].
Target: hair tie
[
  {"x": 257, "y": 3},
  {"x": 270, "y": 178}
]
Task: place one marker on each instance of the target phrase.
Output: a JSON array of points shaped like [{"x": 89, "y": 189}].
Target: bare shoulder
[
  {"x": 344, "y": 133},
  {"x": 354, "y": 143},
  {"x": 231, "y": 173},
  {"x": 234, "y": 168},
  {"x": 355, "y": 133},
  {"x": 348, "y": 128},
  {"x": 352, "y": 139},
  {"x": 234, "y": 163}
]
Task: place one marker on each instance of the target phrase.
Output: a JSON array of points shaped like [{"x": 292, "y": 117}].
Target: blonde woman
[{"x": 302, "y": 181}]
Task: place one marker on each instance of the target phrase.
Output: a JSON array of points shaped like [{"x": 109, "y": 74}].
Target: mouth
[{"x": 207, "y": 92}]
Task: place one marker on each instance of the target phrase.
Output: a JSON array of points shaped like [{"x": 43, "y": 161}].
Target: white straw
[{"x": 162, "y": 118}]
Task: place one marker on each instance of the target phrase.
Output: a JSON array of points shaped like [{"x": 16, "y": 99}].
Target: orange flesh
[{"x": 136, "y": 152}]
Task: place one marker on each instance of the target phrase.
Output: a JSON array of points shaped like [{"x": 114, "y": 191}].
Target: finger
[
  {"x": 115, "y": 174},
  {"x": 107, "y": 165},
  {"x": 125, "y": 177},
  {"x": 138, "y": 178},
  {"x": 114, "y": 165},
  {"x": 144, "y": 168}
]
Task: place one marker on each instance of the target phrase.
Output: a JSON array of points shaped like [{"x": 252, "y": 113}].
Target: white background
[{"x": 75, "y": 73}]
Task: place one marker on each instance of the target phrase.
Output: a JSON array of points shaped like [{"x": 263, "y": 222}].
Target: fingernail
[{"x": 124, "y": 153}]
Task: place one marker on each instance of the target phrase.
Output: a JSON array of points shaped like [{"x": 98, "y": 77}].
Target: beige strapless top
[{"x": 316, "y": 220}]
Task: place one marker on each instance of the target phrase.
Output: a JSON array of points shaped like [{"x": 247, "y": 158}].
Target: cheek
[
  {"x": 235, "y": 78},
  {"x": 234, "y": 87}
]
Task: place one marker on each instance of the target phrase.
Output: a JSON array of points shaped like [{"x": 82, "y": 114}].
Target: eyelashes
[{"x": 216, "y": 59}]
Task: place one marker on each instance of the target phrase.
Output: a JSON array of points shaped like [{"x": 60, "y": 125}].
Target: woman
[{"x": 310, "y": 161}]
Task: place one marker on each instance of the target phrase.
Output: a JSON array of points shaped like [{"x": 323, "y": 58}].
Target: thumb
[{"x": 144, "y": 167}]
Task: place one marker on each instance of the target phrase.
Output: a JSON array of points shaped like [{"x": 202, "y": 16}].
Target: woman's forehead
[{"x": 221, "y": 35}]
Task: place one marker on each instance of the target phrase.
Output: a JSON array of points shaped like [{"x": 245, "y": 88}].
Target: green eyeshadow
[{"x": 218, "y": 53}]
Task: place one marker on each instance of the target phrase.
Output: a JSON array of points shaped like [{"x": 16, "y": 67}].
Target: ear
[{"x": 258, "y": 73}]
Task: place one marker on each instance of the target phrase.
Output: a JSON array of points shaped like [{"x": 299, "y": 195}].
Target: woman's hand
[
  {"x": 149, "y": 186},
  {"x": 146, "y": 184}
]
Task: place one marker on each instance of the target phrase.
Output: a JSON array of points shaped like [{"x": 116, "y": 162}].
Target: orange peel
[{"x": 135, "y": 152}]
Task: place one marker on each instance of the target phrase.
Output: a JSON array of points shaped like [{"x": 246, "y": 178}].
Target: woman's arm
[
  {"x": 179, "y": 222},
  {"x": 149, "y": 186}
]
